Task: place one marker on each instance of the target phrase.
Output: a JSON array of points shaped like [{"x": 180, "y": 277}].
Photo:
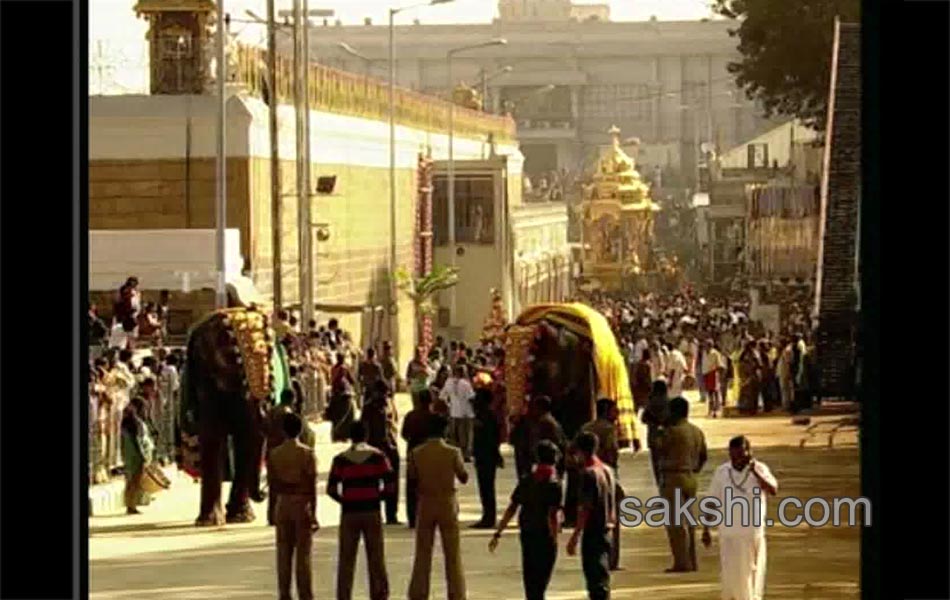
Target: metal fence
[
  {"x": 105, "y": 418},
  {"x": 105, "y": 437}
]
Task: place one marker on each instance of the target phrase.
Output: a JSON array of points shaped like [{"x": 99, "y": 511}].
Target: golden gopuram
[{"x": 617, "y": 221}]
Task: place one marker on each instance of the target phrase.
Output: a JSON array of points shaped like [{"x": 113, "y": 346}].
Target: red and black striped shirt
[{"x": 360, "y": 478}]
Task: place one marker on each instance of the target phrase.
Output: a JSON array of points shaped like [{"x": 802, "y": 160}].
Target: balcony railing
[{"x": 340, "y": 92}]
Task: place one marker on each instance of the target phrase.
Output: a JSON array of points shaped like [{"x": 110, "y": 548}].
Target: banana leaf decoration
[{"x": 422, "y": 289}]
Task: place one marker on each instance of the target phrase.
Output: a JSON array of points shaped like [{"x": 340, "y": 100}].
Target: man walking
[
  {"x": 711, "y": 365},
  {"x": 682, "y": 454},
  {"x": 742, "y": 545},
  {"x": 436, "y": 465},
  {"x": 359, "y": 478},
  {"x": 487, "y": 457},
  {"x": 370, "y": 372},
  {"x": 655, "y": 416},
  {"x": 387, "y": 364},
  {"x": 458, "y": 392},
  {"x": 596, "y": 514},
  {"x": 292, "y": 471},
  {"x": 415, "y": 430},
  {"x": 538, "y": 496},
  {"x": 379, "y": 421},
  {"x": 676, "y": 369},
  {"x": 605, "y": 428}
]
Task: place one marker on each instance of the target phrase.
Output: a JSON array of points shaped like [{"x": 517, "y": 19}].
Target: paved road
[{"x": 160, "y": 555}]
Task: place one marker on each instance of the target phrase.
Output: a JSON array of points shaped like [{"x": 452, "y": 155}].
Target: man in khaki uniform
[
  {"x": 292, "y": 478},
  {"x": 682, "y": 454},
  {"x": 435, "y": 465},
  {"x": 275, "y": 436}
]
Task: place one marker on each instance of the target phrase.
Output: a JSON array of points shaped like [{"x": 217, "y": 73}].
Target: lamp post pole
[
  {"x": 276, "y": 200},
  {"x": 306, "y": 250},
  {"x": 451, "y": 185},
  {"x": 221, "y": 295},
  {"x": 393, "y": 204},
  {"x": 393, "y": 208},
  {"x": 451, "y": 170}
]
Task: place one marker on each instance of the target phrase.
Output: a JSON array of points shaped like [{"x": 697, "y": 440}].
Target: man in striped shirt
[{"x": 360, "y": 478}]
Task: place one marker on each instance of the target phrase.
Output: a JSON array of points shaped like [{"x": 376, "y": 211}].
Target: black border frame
[
  {"x": 905, "y": 79},
  {"x": 42, "y": 216},
  {"x": 905, "y": 446}
]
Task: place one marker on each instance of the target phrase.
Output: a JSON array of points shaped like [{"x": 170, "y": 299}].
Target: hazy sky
[{"x": 118, "y": 53}]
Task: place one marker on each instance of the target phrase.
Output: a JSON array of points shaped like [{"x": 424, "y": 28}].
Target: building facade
[
  {"x": 574, "y": 76},
  {"x": 152, "y": 167}
]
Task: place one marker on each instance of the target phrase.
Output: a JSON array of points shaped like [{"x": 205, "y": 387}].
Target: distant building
[
  {"x": 749, "y": 187},
  {"x": 664, "y": 82}
]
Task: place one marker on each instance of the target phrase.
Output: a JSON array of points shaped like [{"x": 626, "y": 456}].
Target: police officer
[
  {"x": 681, "y": 448},
  {"x": 292, "y": 476},
  {"x": 436, "y": 465},
  {"x": 275, "y": 436}
]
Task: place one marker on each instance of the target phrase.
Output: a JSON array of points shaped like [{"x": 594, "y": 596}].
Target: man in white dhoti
[
  {"x": 676, "y": 372},
  {"x": 741, "y": 538}
]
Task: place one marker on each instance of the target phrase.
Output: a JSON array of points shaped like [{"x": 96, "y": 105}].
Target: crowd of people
[
  {"x": 453, "y": 422},
  {"x": 671, "y": 343},
  {"x": 710, "y": 344}
]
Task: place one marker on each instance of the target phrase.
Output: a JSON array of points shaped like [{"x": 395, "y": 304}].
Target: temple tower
[{"x": 179, "y": 37}]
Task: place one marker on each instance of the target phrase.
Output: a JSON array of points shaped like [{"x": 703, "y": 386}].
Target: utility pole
[
  {"x": 453, "y": 314},
  {"x": 303, "y": 227},
  {"x": 277, "y": 213},
  {"x": 306, "y": 313},
  {"x": 393, "y": 208},
  {"x": 221, "y": 295}
]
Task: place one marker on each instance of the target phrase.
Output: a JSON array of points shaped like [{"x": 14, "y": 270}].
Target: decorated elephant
[
  {"x": 233, "y": 373},
  {"x": 569, "y": 353},
  {"x": 562, "y": 369}
]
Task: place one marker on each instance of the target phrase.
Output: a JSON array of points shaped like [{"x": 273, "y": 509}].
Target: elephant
[
  {"x": 233, "y": 373},
  {"x": 563, "y": 370}
]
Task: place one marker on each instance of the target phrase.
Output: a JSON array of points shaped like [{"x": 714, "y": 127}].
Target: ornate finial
[{"x": 614, "y": 132}]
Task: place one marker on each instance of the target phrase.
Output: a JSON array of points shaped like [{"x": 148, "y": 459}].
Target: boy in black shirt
[{"x": 539, "y": 496}]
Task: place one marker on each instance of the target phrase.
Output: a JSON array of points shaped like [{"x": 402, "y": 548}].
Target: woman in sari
[
  {"x": 439, "y": 406},
  {"x": 642, "y": 381},
  {"x": 137, "y": 449},
  {"x": 749, "y": 379},
  {"x": 770, "y": 385},
  {"x": 341, "y": 409}
]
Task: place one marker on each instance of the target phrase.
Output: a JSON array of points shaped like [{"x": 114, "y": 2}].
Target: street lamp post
[
  {"x": 485, "y": 78},
  {"x": 277, "y": 212},
  {"x": 221, "y": 295},
  {"x": 367, "y": 61},
  {"x": 393, "y": 208},
  {"x": 301, "y": 29},
  {"x": 451, "y": 174}
]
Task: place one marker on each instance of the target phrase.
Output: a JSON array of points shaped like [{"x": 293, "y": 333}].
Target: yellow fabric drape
[{"x": 611, "y": 371}]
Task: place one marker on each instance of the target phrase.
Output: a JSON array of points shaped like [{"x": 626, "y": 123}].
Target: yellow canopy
[{"x": 612, "y": 378}]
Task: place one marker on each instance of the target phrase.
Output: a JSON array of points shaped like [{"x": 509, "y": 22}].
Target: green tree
[
  {"x": 422, "y": 289},
  {"x": 786, "y": 52}
]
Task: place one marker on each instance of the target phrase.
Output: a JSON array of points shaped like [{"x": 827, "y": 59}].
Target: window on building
[
  {"x": 695, "y": 93},
  {"x": 534, "y": 103},
  {"x": 627, "y": 102},
  {"x": 474, "y": 210},
  {"x": 176, "y": 45}
]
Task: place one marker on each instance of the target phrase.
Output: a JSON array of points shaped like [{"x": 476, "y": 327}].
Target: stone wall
[{"x": 139, "y": 180}]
